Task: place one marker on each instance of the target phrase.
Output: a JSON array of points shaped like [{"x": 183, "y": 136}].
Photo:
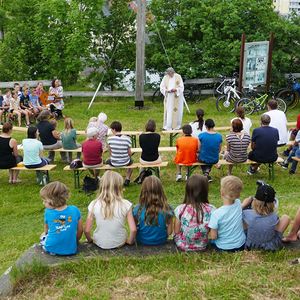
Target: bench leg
[
  {"x": 156, "y": 171},
  {"x": 271, "y": 171},
  {"x": 133, "y": 141},
  {"x": 76, "y": 179},
  {"x": 48, "y": 177},
  {"x": 172, "y": 138},
  {"x": 190, "y": 171}
]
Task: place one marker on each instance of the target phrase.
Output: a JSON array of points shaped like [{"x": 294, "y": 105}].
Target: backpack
[
  {"x": 142, "y": 176},
  {"x": 76, "y": 164},
  {"x": 90, "y": 184}
]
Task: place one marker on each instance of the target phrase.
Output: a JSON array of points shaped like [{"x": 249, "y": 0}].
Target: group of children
[
  {"x": 195, "y": 224},
  {"x": 17, "y": 103}
]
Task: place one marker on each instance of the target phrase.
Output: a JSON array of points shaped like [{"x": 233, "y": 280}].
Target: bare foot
[{"x": 290, "y": 238}]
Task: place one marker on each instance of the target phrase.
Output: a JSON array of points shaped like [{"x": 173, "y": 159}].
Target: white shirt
[
  {"x": 247, "y": 124},
  {"x": 110, "y": 233},
  {"x": 279, "y": 121},
  {"x": 195, "y": 129}
]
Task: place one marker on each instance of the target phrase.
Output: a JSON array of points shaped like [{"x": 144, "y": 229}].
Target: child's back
[
  {"x": 193, "y": 235},
  {"x": 110, "y": 232},
  {"x": 261, "y": 232},
  {"x": 187, "y": 150},
  {"x": 155, "y": 233},
  {"x": 62, "y": 228},
  {"x": 228, "y": 221},
  {"x": 68, "y": 138}
]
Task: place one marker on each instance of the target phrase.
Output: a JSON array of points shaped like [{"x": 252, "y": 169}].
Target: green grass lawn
[{"x": 251, "y": 275}]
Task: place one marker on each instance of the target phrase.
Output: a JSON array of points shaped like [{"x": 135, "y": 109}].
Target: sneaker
[
  {"x": 45, "y": 179},
  {"x": 284, "y": 165},
  {"x": 186, "y": 178},
  {"x": 250, "y": 171},
  {"x": 291, "y": 172},
  {"x": 178, "y": 177},
  {"x": 209, "y": 179},
  {"x": 126, "y": 182},
  {"x": 286, "y": 152}
]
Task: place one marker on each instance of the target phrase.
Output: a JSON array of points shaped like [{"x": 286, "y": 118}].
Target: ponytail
[{"x": 200, "y": 120}]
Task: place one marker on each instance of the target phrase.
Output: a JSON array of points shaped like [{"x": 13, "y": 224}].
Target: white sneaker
[{"x": 178, "y": 177}]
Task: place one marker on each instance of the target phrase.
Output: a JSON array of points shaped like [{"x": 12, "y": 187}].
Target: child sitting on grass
[
  {"x": 192, "y": 217},
  {"x": 63, "y": 224},
  {"x": 68, "y": 138},
  {"x": 264, "y": 227},
  {"x": 187, "y": 150},
  {"x": 153, "y": 215},
  {"x": 111, "y": 212},
  {"x": 226, "y": 222},
  {"x": 15, "y": 110}
]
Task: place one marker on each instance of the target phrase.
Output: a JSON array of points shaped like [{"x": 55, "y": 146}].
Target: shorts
[{"x": 108, "y": 162}]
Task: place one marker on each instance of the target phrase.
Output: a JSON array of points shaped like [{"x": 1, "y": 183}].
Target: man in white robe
[{"x": 172, "y": 88}]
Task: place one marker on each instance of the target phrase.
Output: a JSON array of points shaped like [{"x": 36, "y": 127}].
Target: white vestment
[{"x": 173, "y": 102}]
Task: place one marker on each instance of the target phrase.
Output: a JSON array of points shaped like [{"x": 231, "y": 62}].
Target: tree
[{"x": 203, "y": 37}]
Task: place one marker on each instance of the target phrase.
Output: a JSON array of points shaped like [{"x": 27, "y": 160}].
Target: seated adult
[
  {"x": 57, "y": 94},
  {"x": 9, "y": 157},
  {"x": 278, "y": 121},
  {"x": 210, "y": 147},
  {"x": 263, "y": 144},
  {"x": 49, "y": 136},
  {"x": 92, "y": 151},
  {"x": 237, "y": 144},
  {"x": 33, "y": 150},
  {"x": 240, "y": 114},
  {"x": 198, "y": 125},
  {"x": 149, "y": 142},
  {"x": 119, "y": 146}
]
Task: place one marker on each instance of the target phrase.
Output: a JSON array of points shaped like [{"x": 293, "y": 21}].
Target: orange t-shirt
[{"x": 187, "y": 150}]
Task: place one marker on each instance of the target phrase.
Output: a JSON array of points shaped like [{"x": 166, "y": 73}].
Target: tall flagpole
[{"x": 140, "y": 53}]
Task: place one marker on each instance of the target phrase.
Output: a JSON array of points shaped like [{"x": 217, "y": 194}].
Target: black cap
[{"x": 265, "y": 193}]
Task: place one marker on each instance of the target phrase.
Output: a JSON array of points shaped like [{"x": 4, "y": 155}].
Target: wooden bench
[
  {"x": 77, "y": 172},
  {"x": 43, "y": 176},
  {"x": 223, "y": 162},
  {"x": 78, "y": 150}
]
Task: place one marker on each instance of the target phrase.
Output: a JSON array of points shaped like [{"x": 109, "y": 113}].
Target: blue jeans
[
  {"x": 294, "y": 152},
  {"x": 42, "y": 164}
]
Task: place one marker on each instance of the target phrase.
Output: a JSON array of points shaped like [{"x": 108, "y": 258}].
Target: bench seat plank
[{"x": 44, "y": 168}]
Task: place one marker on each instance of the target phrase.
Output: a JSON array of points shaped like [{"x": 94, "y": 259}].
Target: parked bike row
[{"x": 253, "y": 99}]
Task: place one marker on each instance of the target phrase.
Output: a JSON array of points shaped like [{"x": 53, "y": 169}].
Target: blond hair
[
  {"x": 55, "y": 194},
  {"x": 93, "y": 119},
  {"x": 231, "y": 187},
  {"x": 110, "y": 192},
  {"x": 69, "y": 124},
  {"x": 263, "y": 208}
]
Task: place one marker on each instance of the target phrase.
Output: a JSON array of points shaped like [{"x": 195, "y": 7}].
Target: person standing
[
  {"x": 172, "y": 88},
  {"x": 278, "y": 121}
]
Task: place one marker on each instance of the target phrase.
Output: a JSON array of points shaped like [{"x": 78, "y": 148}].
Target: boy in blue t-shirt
[
  {"x": 210, "y": 147},
  {"x": 226, "y": 222},
  {"x": 63, "y": 224}
]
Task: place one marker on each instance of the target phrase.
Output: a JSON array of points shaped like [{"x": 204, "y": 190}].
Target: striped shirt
[
  {"x": 119, "y": 146},
  {"x": 237, "y": 147}
]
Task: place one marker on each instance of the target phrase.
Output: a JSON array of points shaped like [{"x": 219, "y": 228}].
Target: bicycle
[
  {"x": 190, "y": 93},
  {"x": 219, "y": 86},
  {"x": 290, "y": 94},
  {"x": 257, "y": 102},
  {"x": 230, "y": 95}
]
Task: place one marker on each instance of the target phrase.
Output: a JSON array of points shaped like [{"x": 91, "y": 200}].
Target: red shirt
[
  {"x": 92, "y": 152},
  {"x": 298, "y": 122}
]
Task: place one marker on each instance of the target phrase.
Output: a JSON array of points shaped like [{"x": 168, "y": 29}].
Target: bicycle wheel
[
  {"x": 247, "y": 104},
  {"x": 281, "y": 104},
  {"x": 157, "y": 96},
  {"x": 289, "y": 97},
  {"x": 225, "y": 105}
]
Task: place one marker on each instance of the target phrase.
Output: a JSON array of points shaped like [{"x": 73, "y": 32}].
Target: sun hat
[
  {"x": 265, "y": 193},
  {"x": 102, "y": 117},
  {"x": 91, "y": 132}
]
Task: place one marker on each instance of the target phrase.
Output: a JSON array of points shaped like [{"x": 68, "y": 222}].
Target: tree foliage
[{"x": 203, "y": 38}]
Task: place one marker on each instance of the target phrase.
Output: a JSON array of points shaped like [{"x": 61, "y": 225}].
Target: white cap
[
  {"x": 102, "y": 117},
  {"x": 91, "y": 132}
]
